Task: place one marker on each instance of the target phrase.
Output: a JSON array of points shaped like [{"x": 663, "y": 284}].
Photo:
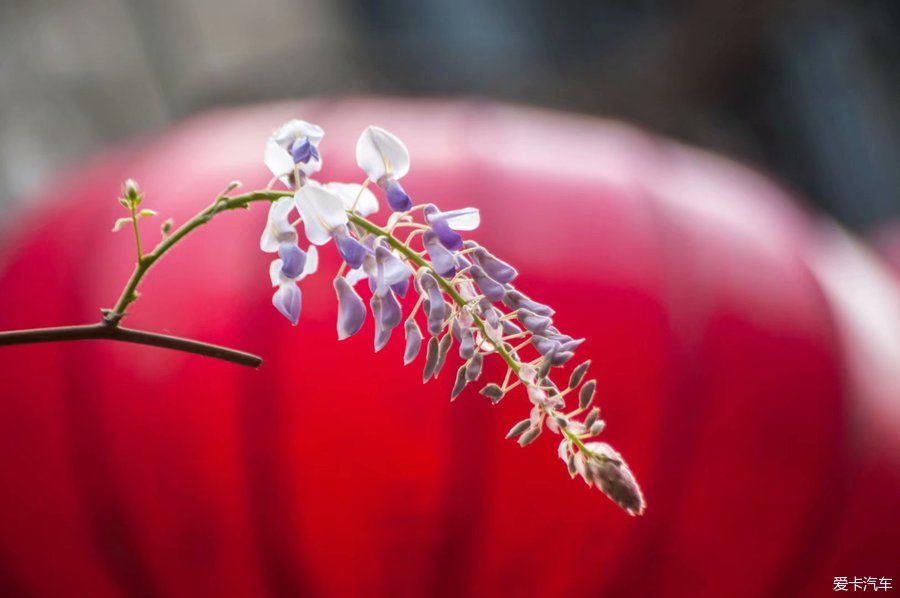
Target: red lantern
[{"x": 748, "y": 361}]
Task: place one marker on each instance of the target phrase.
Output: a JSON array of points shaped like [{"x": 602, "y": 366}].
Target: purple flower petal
[
  {"x": 466, "y": 343},
  {"x": 544, "y": 345},
  {"x": 492, "y": 289},
  {"x": 560, "y": 357},
  {"x": 434, "y": 318},
  {"x": 351, "y": 309},
  {"x": 391, "y": 270},
  {"x": 441, "y": 258},
  {"x": 495, "y": 268},
  {"x": 532, "y": 321},
  {"x": 435, "y": 308},
  {"x": 397, "y": 198},
  {"x": 387, "y": 313},
  {"x": 302, "y": 151},
  {"x": 350, "y": 249},
  {"x": 287, "y": 301},
  {"x": 488, "y": 312},
  {"x": 381, "y": 339},
  {"x": 413, "y": 342},
  {"x": 448, "y": 237},
  {"x": 401, "y": 288},
  {"x": 473, "y": 370},
  {"x": 293, "y": 259},
  {"x": 514, "y": 300},
  {"x": 391, "y": 313},
  {"x": 509, "y": 328}
]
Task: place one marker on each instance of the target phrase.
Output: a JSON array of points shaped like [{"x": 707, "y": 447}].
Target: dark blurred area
[{"x": 805, "y": 90}]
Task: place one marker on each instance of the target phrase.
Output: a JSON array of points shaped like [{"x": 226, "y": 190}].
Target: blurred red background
[{"x": 748, "y": 358}]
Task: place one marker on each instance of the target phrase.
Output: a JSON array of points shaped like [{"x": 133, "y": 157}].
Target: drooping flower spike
[{"x": 465, "y": 294}]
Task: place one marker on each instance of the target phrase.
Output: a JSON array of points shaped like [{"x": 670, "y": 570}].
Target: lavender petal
[
  {"x": 473, "y": 370},
  {"x": 494, "y": 267},
  {"x": 460, "y": 384},
  {"x": 466, "y": 343},
  {"x": 443, "y": 349},
  {"x": 350, "y": 249},
  {"x": 287, "y": 300},
  {"x": 413, "y": 342},
  {"x": 431, "y": 358},
  {"x": 397, "y": 198},
  {"x": 351, "y": 309},
  {"x": 441, "y": 258},
  {"x": 532, "y": 321},
  {"x": 491, "y": 289},
  {"x": 293, "y": 259}
]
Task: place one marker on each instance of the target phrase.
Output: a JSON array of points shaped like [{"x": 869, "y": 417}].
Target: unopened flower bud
[
  {"x": 578, "y": 374},
  {"x": 431, "y": 358},
  {"x": 533, "y": 322},
  {"x": 443, "y": 349},
  {"x": 493, "y": 392},
  {"x": 610, "y": 473},
  {"x": 544, "y": 368},
  {"x": 529, "y": 436},
  {"x": 473, "y": 369},
  {"x": 597, "y": 427},
  {"x": 586, "y": 394},
  {"x": 591, "y": 417},
  {"x": 131, "y": 193},
  {"x": 518, "y": 428},
  {"x": 460, "y": 383}
]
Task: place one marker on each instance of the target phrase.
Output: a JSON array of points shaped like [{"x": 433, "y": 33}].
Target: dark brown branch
[{"x": 127, "y": 335}]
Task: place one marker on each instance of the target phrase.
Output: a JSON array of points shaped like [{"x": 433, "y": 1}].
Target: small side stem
[{"x": 129, "y": 293}]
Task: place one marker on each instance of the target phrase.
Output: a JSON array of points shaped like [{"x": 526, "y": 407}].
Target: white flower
[
  {"x": 323, "y": 213},
  {"x": 381, "y": 155},
  {"x": 385, "y": 160},
  {"x": 294, "y": 145},
  {"x": 355, "y": 197},
  {"x": 278, "y": 227}
]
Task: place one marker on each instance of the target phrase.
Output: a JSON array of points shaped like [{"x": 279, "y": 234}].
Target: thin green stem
[
  {"x": 223, "y": 204},
  {"x": 137, "y": 233}
]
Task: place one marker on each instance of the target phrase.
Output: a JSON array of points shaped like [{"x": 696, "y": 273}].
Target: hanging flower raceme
[
  {"x": 385, "y": 160},
  {"x": 465, "y": 295}
]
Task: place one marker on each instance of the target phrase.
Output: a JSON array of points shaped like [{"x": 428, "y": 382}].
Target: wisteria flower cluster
[{"x": 466, "y": 295}]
